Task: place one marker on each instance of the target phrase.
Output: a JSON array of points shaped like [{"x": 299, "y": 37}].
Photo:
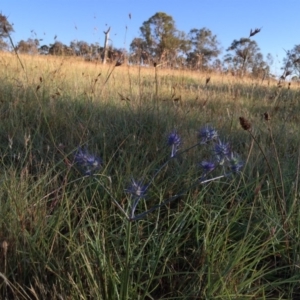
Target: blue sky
[{"x": 87, "y": 19}]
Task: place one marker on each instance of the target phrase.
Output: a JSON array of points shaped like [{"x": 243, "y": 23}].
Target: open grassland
[{"x": 64, "y": 237}]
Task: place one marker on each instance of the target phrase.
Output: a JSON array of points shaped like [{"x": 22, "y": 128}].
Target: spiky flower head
[
  {"x": 136, "y": 189},
  {"x": 222, "y": 151},
  {"x": 235, "y": 163},
  {"x": 207, "y": 134},
  {"x": 87, "y": 163},
  {"x": 174, "y": 141},
  {"x": 207, "y": 166}
]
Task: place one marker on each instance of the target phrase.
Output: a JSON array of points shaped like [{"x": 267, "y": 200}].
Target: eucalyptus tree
[
  {"x": 5, "y": 30},
  {"x": 57, "y": 48},
  {"x": 60, "y": 49},
  {"x": 30, "y": 46},
  {"x": 44, "y": 50},
  {"x": 291, "y": 62},
  {"x": 242, "y": 56},
  {"x": 138, "y": 52},
  {"x": 84, "y": 48},
  {"x": 204, "y": 47},
  {"x": 259, "y": 67},
  {"x": 161, "y": 39}
]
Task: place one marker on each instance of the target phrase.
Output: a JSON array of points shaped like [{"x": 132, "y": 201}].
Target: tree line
[{"x": 161, "y": 43}]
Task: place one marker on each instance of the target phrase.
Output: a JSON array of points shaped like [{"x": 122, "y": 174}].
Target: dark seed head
[
  {"x": 246, "y": 125},
  {"x": 267, "y": 116}
]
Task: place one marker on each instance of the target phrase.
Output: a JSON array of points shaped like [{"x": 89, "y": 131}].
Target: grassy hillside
[{"x": 140, "y": 183}]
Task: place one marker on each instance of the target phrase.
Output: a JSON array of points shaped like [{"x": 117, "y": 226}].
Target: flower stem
[{"x": 126, "y": 271}]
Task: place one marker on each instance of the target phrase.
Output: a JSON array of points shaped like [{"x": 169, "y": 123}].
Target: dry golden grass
[
  {"x": 75, "y": 78},
  {"x": 37, "y": 65},
  {"x": 190, "y": 92}
]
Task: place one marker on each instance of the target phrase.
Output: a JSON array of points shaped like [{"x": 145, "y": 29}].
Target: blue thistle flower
[
  {"x": 207, "y": 166},
  {"x": 174, "y": 141},
  {"x": 207, "y": 134},
  {"x": 137, "y": 189},
  {"x": 222, "y": 151},
  {"x": 86, "y": 162},
  {"x": 235, "y": 164}
]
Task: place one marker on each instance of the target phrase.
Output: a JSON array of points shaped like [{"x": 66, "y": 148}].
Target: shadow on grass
[{"x": 65, "y": 239}]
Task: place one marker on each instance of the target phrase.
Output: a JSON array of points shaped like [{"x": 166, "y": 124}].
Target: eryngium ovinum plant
[{"x": 223, "y": 159}]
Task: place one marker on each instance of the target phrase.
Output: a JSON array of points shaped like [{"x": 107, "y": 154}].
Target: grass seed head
[
  {"x": 267, "y": 116},
  {"x": 246, "y": 125},
  {"x": 254, "y": 32}
]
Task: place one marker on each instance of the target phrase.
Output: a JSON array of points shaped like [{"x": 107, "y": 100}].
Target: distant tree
[
  {"x": 161, "y": 39},
  {"x": 30, "y": 46},
  {"x": 68, "y": 51},
  {"x": 95, "y": 51},
  {"x": 88, "y": 51},
  {"x": 83, "y": 48},
  {"x": 5, "y": 30},
  {"x": 291, "y": 62},
  {"x": 217, "y": 65},
  {"x": 244, "y": 52},
  {"x": 230, "y": 63},
  {"x": 44, "y": 50},
  {"x": 57, "y": 48},
  {"x": 259, "y": 67},
  {"x": 3, "y": 45},
  {"x": 114, "y": 54},
  {"x": 60, "y": 49},
  {"x": 204, "y": 47},
  {"x": 138, "y": 52},
  {"x": 74, "y": 47}
]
